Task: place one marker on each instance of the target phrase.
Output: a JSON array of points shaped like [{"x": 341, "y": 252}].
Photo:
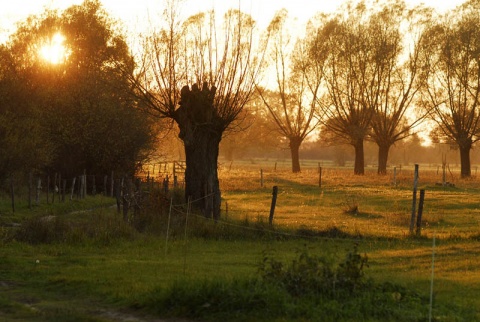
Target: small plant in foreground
[
  {"x": 309, "y": 288},
  {"x": 310, "y": 274}
]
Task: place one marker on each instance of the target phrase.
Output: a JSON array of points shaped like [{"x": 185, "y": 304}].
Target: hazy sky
[{"x": 135, "y": 11}]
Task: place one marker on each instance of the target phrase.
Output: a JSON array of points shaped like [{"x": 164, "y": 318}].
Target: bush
[
  {"x": 309, "y": 288},
  {"x": 43, "y": 230},
  {"x": 309, "y": 274}
]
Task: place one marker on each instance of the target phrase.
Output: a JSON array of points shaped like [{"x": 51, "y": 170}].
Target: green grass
[{"x": 88, "y": 265}]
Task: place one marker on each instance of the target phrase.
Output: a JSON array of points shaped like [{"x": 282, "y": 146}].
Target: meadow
[{"x": 350, "y": 237}]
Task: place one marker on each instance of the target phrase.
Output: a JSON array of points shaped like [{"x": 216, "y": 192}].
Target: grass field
[{"x": 85, "y": 264}]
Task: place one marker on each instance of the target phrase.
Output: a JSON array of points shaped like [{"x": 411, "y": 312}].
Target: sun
[{"x": 54, "y": 50}]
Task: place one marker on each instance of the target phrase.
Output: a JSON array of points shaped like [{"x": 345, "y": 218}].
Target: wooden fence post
[
  {"x": 261, "y": 178},
  {"x": 30, "y": 183},
  {"x": 73, "y": 188},
  {"x": 38, "y": 191},
  {"x": 54, "y": 185},
  {"x": 319, "y": 177},
  {"x": 111, "y": 185},
  {"x": 414, "y": 199},
  {"x": 64, "y": 188},
  {"x": 12, "y": 192},
  {"x": 105, "y": 180},
  {"x": 420, "y": 212},
  {"x": 80, "y": 187},
  {"x": 394, "y": 176},
  {"x": 126, "y": 196},
  {"x": 165, "y": 184},
  {"x": 174, "y": 172},
  {"x": 444, "y": 170},
  {"x": 94, "y": 186},
  {"x": 84, "y": 183},
  {"x": 272, "y": 206},
  {"x": 48, "y": 189},
  {"x": 59, "y": 188},
  {"x": 118, "y": 194}
]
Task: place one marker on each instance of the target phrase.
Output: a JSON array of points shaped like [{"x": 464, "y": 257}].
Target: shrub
[
  {"x": 309, "y": 274},
  {"x": 309, "y": 288},
  {"x": 43, "y": 230}
]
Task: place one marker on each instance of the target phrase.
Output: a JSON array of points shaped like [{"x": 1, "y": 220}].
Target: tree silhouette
[
  {"x": 399, "y": 69},
  {"x": 200, "y": 75},
  {"x": 452, "y": 87},
  {"x": 85, "y": 102},
  {"x": 342, "y": 44},
  {"x": 293, "y": 103}
]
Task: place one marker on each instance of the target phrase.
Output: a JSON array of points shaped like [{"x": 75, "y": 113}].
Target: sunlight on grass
[
  {"x": 384, "y": 210},
  {"x": 104, "y": 259}
]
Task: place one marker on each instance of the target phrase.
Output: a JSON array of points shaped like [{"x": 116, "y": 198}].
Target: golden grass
[{"x": 384, "y": 209}]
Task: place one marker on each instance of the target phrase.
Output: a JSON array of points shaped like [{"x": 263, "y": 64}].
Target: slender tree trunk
[
  {"x": 295, "y": 143},
  {"x": 465, "y": 161},
  {"x": 359, "y": 167},
  {"x": 201, "y": 131},
  {"x": 383, "y": 158}
]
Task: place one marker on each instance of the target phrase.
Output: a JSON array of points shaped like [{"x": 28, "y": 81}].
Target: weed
[
  {"x": 43, "y": 230},
  {"x": 310, "y": 274},
  {"x": 350, "y": 205}
]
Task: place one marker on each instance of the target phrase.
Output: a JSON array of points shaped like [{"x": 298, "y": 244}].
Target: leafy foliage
[
  {"x": 80, "y": 110},
  {"x": 309, "y": 288},
  {"x": 309, "y": 274}
]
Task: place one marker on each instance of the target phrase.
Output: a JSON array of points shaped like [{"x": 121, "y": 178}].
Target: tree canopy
[{"x": 83, "y": 103}]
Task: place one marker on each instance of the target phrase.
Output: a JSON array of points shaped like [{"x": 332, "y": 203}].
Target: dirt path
[{"x": 17, "y": 304}]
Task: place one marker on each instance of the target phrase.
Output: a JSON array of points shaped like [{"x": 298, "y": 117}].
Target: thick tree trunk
[
  {"x": 201, "y": 175},
  {"x": 201, "y": 131},
  {"x": 465, "y": 161},
  {"x": 382, "y": 159},
  {"x": 359, "y": 167},
  {"x": 294, "y": 152}
]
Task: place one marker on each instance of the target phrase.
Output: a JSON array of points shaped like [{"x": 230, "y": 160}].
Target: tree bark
[
  {"x": 382, "y": 159},
  {"x": 359, "y": 167},
  {"x": 201, "y": 132},
  {"x": 295, "y": 143},
  {"x": 465, "y": 161}
]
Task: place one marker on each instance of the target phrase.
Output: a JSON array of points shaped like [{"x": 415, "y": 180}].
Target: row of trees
[
  {"x": 371, "y": 71},
  {"x": 375, "y": 72}
]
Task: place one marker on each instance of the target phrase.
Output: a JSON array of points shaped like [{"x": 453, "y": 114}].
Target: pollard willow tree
[
  {"x": 293, "y": 103},
  {"x": 452, "y": 88},
  {"x": 371, "y": 79},
  {"x": 397, "y": 33},
  {"x": 201, "y": 75},
  {"x": 345, "y": 49}
]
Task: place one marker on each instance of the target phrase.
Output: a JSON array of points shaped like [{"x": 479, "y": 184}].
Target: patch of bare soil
[{"x": 16, "y": 304}]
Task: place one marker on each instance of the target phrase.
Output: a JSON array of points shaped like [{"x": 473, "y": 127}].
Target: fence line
[{"x": 40, "y": 188}]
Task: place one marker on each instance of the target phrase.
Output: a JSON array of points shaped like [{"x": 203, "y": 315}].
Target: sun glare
[{"x": 54, "y": 51}]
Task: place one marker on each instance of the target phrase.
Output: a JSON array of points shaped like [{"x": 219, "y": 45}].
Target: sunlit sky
[{"x": 134, "y": 12}]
